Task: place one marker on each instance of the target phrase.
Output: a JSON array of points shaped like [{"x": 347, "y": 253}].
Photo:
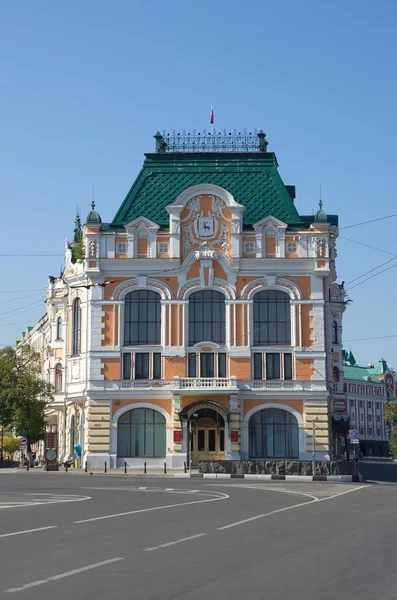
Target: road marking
[
  {"x": 39, "y": 499},
  {"x": 186, "y": 539},
  {"x": 142, "y": 510},
  {"x": 142, "y": 488},
  {"x": 169, "y": 489},
  {"x": 279, "y": 510},
  {"x": 28, "y": 531},
  {"x": 62, "y": 575}
]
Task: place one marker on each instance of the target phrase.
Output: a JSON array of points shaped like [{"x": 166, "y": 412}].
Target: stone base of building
[{"x": 275, "y": 467}]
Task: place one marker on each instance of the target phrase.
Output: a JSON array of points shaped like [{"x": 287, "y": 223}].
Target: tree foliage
[
  {"x": 24, "y": 394},
  {"x": 10, "y": 446},
  {"x": 391, "y": 416}
]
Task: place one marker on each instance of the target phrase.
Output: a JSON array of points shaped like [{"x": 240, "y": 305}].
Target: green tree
[
  {"x": 391, "y": 416},
  {"x": 24, "y": 394},
  {"x": 10, "y": 446}
]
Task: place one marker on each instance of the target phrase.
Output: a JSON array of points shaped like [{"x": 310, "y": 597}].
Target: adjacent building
[
  {"x": 366, "y": 396},
  {"x": 204, "y": 321}
]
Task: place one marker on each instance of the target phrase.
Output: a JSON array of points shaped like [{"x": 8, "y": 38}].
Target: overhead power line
[
  {"x": 370, "y": 271},
  {"x": 341, "y": 237},
  {"x": 371, "y": 277},
  {"x": 367, "y": 222},
  {"x": 379, "y": 337}
]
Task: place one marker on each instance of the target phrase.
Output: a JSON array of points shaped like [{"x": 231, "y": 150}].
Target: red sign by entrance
[
  {"x": 177, "y": 436},
  {"x": 234, "y": 436}
]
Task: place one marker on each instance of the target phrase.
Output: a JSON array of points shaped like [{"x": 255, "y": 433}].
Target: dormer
[
  {"x": 270, "y": 238},
  {"x": 142, "y": 237}
]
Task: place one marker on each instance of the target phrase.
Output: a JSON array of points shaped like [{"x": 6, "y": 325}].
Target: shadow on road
[{"x": 378, "y": 469}]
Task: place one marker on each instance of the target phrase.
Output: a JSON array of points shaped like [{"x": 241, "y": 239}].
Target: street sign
[
  {"x": 353, "y": 434},
  {"x": 23, "y": 440},
  {"x": 354, "y": 441}
]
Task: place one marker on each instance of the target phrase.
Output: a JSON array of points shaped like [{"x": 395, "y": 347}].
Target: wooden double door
[{"x": 208, "y": 438}]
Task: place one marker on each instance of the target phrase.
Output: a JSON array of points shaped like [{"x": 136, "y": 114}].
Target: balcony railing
[{"x": 208, "y": 383}]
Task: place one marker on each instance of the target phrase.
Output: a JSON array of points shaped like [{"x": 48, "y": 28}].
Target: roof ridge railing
[{"x": 211, "y": 141}]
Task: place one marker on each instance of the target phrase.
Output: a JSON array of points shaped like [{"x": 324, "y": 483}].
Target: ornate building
[{"x": 209, "y": 305}]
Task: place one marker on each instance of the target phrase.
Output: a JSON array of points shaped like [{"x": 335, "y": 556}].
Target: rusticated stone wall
[{"x": 275, "y": 467}]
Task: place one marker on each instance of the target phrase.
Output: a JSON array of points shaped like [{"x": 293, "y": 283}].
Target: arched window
[
  {"x": 272, "y": 318},
  {"x": 207, "y": 317},
  {"x": 273, "y": 433},
  {"x": 142, "y": 318},
  {"x": 334, "y": 332},
  {"x": 76, "y": 327},
  {"x": 141, "y": 432},
  {"x": 58, "y": 377},
  {"x": 59, "y": 328}
]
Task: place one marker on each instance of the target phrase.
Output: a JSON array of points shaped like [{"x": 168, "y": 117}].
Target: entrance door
[{"x": 208, "y": 439}]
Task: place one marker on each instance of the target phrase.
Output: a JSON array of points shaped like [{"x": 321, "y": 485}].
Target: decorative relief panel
[{"x": 206, "y": 218}]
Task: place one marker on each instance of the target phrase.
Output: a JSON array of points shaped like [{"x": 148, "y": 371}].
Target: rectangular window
[
  {"x": 142, "y": 365},
  {"x": 361, "y": 403},
  {"x": 287, "y": 366},
  {"x": 221, "y": 364},
  {"x": 211, "y": 440},
  {"x": 126, "y": 366},
  {"x": 156, "y": 365},
  {"x": 222, "y": 440},
  {"x": 191, "y": 365},
  {"x": 369, "y": 405},
  {"x": 258, "y": 374},
  {"x": 378, "y": 406},
  {"x": 378, "y": 391},
  {"x": 272, "y": 366},
  {"x": 360, "y": 389},
  {"x": 201, "y": 440},
  {"x": 378, "y": 431},
  {"x": 352, "y": 403},
  {"x": 369, "y": 430},
  {"x": 206, "y": 364},
  {"x": 361, "y": 430}
]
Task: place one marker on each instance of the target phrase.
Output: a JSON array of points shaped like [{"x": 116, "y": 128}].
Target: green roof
[
  {"x": 251, "y": 177},
  {"x": 358, "y": 374}
]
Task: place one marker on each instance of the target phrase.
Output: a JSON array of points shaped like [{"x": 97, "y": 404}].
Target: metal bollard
[
  {"x": 27, "y": 466},
  {"x": 185, "y": 466},
  {"x": 106, "y": 467},
  {"x": 86, "y": 467},
  {"x": 144, "y": 467},
  {"x": 66, "y": 466},
  {"x": 125, "y": 467},
  {"x": 165, "y": 468}
]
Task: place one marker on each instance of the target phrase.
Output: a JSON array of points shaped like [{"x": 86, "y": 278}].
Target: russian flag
[{"x": 212, "y": 116}]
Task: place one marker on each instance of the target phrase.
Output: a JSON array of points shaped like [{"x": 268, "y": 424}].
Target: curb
[{"x": 295, "y": 478}]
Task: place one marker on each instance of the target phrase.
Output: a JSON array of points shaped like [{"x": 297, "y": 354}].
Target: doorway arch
[{"x": 205, "y": 426}]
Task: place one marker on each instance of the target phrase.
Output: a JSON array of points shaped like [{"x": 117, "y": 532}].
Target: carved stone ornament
[{"x": 205, "y": 252}]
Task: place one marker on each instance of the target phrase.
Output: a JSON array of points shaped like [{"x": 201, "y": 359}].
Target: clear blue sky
[{"x": 85, "y": 85}]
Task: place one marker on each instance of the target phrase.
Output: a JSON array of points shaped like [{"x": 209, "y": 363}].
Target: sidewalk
[{"x": 179, "y": 474}]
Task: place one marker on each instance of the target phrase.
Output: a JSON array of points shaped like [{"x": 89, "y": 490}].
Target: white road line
[
  {"x": 62, "y": 575},
  {"x": 142, "y": 488},
  {"x": 142, "y": 510},
  {"x": 28, "y": 531},
  {"x": 279, "y": 510},
  {"x": 169, "y": 489},
  {"x": 186, "y": 539}
]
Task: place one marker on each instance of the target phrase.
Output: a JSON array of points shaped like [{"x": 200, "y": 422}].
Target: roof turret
[
  {"x": 93, "y": 218},
  {"x": 321, "y": 216}
]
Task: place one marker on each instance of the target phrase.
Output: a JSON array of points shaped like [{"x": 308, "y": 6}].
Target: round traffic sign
[
  {"x": 23, "y": 441},
  {"x": 353, "y": 434},
  {"x": 51, "y": 454}
]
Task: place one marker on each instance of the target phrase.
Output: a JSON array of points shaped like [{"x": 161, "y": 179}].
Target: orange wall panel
[
  {"x": 224, "y": 400},
  {"x": 296, "y": 404},
  {"x": 172, "y": 283},
  {"x": 108, "y": 330},
  {"x": 219, "y": 272},
  {"x": 306, "y": 325},
  {"x": 270, "y": 245},
  {"x": 111, "y": 368},
  {"x": 165, "y": 404},
  {"x": 174, "y": 366},
  {"x": 240, "y": 368},
  {"x": 142, "y": 247},
  {"x": 303, "y": 369}
]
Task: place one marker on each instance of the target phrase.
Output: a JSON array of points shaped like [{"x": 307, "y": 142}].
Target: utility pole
[{"x": 314, "y": 447}]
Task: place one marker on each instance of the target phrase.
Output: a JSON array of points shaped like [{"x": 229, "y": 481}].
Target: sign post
[{"x": 353, "y": 436}]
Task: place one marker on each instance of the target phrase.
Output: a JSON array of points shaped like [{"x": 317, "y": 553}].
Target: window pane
[
  {"x": 141, "y": 432},
  {"x": 207, "y": 317},
  {"x": 272, "y": 366},
  {"x": 206, "y": 365},
  {"x": 272, "y": 318},
  {"x": 287, "y": 366},
  {"x": 201, "y": 440},
  {"x": 123, "y": 439},
  {"x": 126, "y": 366},
  {"x": 221, "y": 364},
  {"x": 142, "y": 365},
  {"x": 274, "y": 434},
  {"x": 149, "y": 440},
  {"x": 156, "y": 365},
  {"x": 142, "y": 318},
  {"x": 211, "y": 440},
  {"x": 191, "y": 365},
  {"x": 258, "y": 365},
  {"x": 159, "y": 439},
  {"x": 222, "y": 440}
]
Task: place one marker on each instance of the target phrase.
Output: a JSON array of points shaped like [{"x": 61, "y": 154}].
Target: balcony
[{"x": 214, "y": 384}]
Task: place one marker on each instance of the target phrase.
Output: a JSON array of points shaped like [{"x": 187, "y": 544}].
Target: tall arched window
[
  {"x": 76, "y": 327},
  {"x": 272, "y": 318},
  {"x": 141, "y": 432},
  {"x": 273, "y": 433},
  {"x": 59, "y": 328},
  {"x": 142, "y": 318},
  {"x": 207, "y": 317},
  {"x": 58, "y": 377},
  {"x": 334, "y": 332}
]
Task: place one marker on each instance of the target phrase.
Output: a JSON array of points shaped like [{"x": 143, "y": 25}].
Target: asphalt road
[{"x": 103, "y": 537}]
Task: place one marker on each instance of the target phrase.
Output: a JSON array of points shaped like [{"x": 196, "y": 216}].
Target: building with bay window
[{"x": 208, "y": 303}]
